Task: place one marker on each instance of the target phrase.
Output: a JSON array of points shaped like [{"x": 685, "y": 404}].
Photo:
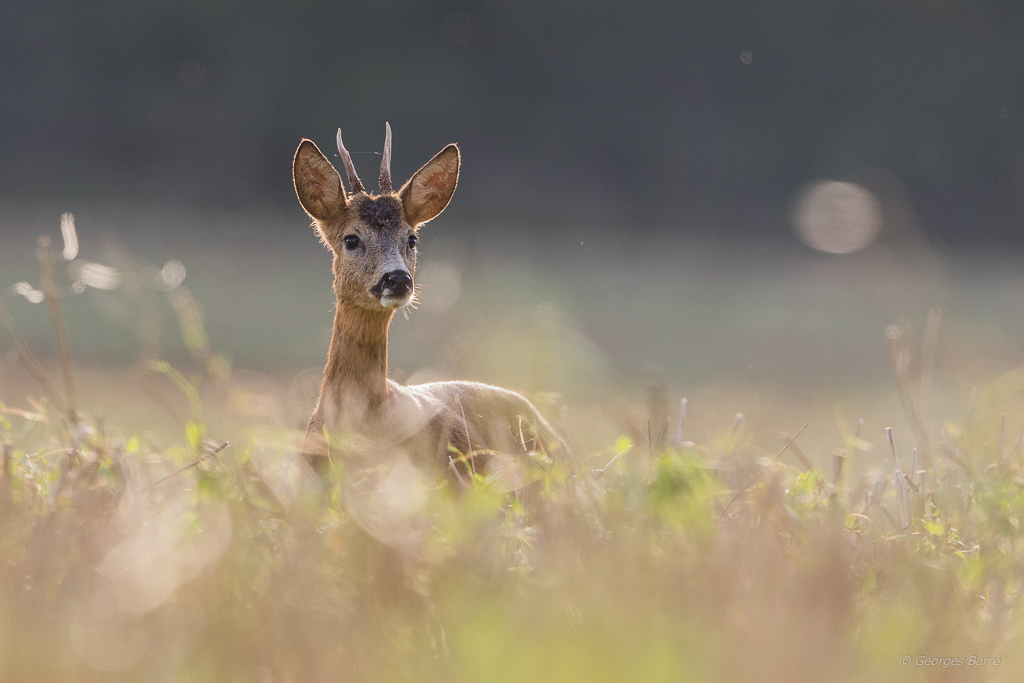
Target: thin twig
[
  {"x": 597, "y": 473},
  {"x": 801, "y": 456},
  {"x": 758, "y": 475},
  {"x": 522, "y": 438},
  {"x": 469, "y": 442},
  {"x": 664, "y": 431},
  {"x": 186, "y": 468},
  {"x": 451, "y": 463},
  {"x": 172, "y": 474}
]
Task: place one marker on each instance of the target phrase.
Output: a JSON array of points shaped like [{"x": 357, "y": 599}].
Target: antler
[
  {"x": 385, "y": 162},
  {"x": 350, "y": 169}
]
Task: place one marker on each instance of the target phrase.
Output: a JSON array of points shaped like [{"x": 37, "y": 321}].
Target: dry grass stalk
[
  {"x": 902, "y": 489},
  {"x": 765, "y": 469},
  {"x": 929, "y": 351},
  {"x": 805, "y": 461},
  {"x": 31, "y": 363},
  {"x": 681, "y": 423},
  {"x": 210, "y": 453},
  {"x": 57, "y": 320}
]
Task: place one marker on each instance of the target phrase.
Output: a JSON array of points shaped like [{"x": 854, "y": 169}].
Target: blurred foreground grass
[{"x": 667, "y": 552}]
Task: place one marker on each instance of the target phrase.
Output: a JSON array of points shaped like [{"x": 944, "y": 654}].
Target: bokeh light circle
[{"x": 837, "y": 217}]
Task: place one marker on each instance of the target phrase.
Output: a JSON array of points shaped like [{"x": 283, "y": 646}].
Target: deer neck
[{"x": 357, "y": 362}]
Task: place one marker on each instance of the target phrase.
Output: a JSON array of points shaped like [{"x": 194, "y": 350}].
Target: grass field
[{"x": 134, "y": 550}]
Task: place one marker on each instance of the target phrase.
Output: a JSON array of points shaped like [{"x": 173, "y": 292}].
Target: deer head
[{"x": 372, "y": 237}]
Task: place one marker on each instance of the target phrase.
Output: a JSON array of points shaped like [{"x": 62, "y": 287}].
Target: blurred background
[
  {"x": 727, "y": 201},
  {"x": 659, "y": 116}
]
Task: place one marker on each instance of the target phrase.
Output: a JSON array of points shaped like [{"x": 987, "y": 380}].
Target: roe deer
[{"x": 373, "y": 241}]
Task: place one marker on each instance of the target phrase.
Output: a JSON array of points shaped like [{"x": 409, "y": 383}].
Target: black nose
[{"x": 395, "y": 283}]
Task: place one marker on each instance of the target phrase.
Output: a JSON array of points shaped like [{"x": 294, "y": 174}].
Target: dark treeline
[{"x": 706, "y": 113}]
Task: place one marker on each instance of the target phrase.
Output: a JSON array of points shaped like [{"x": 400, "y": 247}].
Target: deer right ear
[
  {"x": 317, "y": 184},
  {"x": 430, "y": 189}
]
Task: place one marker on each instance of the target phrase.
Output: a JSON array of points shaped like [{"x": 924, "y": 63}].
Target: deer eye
[
  {"x": 412, "y": 241},
  {"x": 351, "y": 242}
]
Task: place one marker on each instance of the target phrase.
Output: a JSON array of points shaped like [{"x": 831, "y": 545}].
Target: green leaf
[
  {"x": 194, "y": 432},
  {"x": 622, "y": 443},
  {"x": 188, "y": 387}
]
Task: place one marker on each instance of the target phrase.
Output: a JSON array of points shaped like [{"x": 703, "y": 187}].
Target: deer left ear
[
  {"x": 431, "y": 188},
  {"x": 317, "y": 184}
]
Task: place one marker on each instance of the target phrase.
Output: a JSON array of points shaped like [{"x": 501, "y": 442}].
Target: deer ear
[
  {"x": 430, "y": 189},
  {"x": 317, "y": 184}
]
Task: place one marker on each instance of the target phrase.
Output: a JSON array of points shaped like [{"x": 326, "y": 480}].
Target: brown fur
[{"x": 357, "y": 398}]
